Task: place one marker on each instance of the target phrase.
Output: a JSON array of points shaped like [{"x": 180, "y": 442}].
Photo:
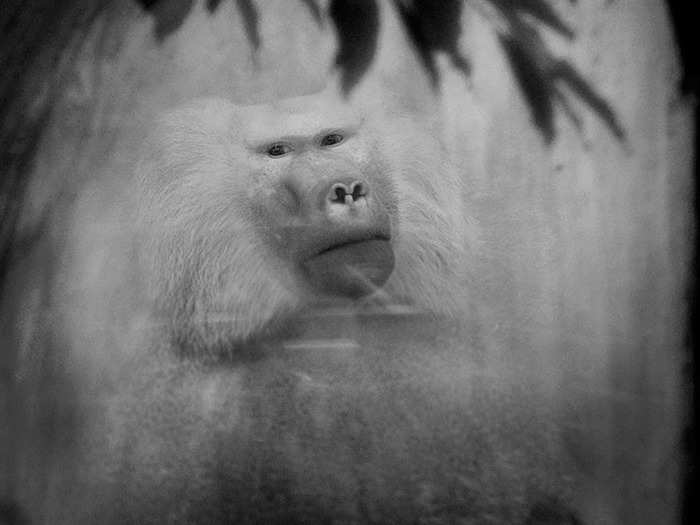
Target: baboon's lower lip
[
  {"x": 355, "y": 241},
  {"x": 353, "y": 268}
]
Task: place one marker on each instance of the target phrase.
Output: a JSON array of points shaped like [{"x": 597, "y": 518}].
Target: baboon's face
[
  {"x": 252, "y": 212},
  {"x": 321, "y": 198}
]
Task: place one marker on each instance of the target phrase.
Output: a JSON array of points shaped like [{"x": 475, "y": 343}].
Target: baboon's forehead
[{"x": 306, "y": 116}]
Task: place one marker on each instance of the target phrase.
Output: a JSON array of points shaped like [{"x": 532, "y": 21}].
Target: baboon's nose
[{"x": 343, "y": 193}]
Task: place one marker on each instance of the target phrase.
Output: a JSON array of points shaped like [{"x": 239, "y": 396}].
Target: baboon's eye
[
  {"x": 332, "y": 139},
  {"x": 278, "y": 149}
]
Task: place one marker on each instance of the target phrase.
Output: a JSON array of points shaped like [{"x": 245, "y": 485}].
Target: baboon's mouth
[
  {"x": 354, "y": 267},
  {"x": 358, "y": 240}
]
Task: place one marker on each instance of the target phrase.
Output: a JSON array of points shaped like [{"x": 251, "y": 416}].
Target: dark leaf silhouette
[
  {"x": 434, "y": 25},
  {"x": 357, "y": 24},
  {"x": 538, "y": 9},
  {"x": 249, "y": 13},
  {"x": 541, "y": 75},
  {"x": 536, "y": 87},
  {"x": 566, "y": 73},
  {"x": 168, "y": 16},
  {"x": 315, "y": 9},
  {"x": 213, "y": 5}
]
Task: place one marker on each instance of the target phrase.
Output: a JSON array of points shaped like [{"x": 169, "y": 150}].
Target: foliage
[{"x": 434, "y": 26}]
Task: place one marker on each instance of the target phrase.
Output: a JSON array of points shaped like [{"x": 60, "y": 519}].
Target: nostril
[
  {"x": 340, "y": 191},
  {"x": 358, "y": 190}
]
